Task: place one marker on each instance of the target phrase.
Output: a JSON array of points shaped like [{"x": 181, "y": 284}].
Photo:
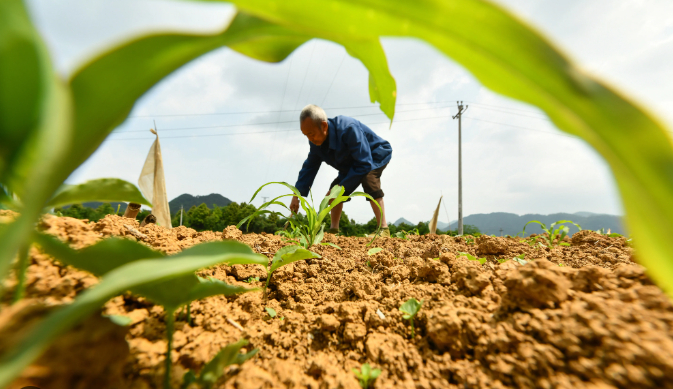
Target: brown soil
[{"x": 597, "y": 321}]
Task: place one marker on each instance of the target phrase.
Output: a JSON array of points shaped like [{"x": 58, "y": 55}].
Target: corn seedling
[
  {"x": 553, "y": 234},
  {"x": 250, "y": 280},
  {"x": 471, "y": 257},
  {"x": 374, "y": 250},
  {"x": 401, "y": 234},
  {"x": 410, "y": 308},
  {"x": 312, "y": 230},
  {"x": 608, "y": 233},
  {"x": 214, "y": 369},
  {"x": 468, "y": 239},
  {"x": 366, "y": 375}
]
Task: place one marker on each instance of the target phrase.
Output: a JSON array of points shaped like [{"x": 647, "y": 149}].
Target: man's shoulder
[{"x": 342, "y": 122}]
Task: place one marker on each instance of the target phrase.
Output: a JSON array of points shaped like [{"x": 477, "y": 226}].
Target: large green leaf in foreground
[
  {"x": 35, "y": 113},
  {"x": 132, "y": 276},
  {"x": 511, "y": 58},
  {"x": 102, "y": 189}
]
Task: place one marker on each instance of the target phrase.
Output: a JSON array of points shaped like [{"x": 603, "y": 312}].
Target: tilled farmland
[{"x": 579, "y": 316}]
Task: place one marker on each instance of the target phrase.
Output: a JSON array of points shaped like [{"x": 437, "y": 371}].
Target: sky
[{"x": 228, "y": 124}]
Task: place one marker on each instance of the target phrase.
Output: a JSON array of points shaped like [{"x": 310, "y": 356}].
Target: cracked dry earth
[{"x": 595, "y": 322}]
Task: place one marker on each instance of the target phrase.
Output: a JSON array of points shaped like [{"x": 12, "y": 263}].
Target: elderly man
[{"x": 351, "y": 148}]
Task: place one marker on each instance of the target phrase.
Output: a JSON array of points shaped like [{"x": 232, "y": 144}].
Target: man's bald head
[{"x": 313, "y": 123}]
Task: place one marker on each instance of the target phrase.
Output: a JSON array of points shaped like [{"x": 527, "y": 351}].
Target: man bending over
[{"x": 351, "y": 148}]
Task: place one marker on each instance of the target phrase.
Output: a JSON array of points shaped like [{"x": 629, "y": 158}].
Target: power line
[
  {"x": 501, "y": 107},
  {"x": 514, "y": 113},
  {"x": 333, "y": 78},
  {"x": 523, "y": 128},
  {"x": 281, "y": 111},
  {"x": 266, "y": 132},
  {"x": 266, "y": 123}
]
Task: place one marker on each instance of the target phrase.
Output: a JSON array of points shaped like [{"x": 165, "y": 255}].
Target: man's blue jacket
[{"x": 351, "y": 148}]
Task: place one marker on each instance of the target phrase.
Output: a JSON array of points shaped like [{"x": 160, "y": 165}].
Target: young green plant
[
  {"x": 213, "y": 370},
  {"x": 312, "y": 229},
  {"x": 410, "y": 309},
  {"x": 553, "y": 234},
  {"x": 471, "y": 257},
  {"x": 366, "y": 375}
]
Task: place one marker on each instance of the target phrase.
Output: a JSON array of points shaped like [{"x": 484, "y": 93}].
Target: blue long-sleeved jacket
[{"x": 352, "y": 148}]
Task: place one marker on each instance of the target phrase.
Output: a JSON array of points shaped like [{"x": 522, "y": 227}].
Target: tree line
[{"x": 202, "y": 218}]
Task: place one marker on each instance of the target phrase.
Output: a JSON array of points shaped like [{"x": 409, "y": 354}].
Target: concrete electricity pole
[{"x": 460, "y": 168}]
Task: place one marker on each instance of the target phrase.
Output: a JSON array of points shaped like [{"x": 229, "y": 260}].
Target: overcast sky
[{"x": 514, "y": 160}]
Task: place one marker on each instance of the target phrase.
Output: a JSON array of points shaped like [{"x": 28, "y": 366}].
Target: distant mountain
[
  {"x": 512, "y": 224},
  {"x": 586, "y": 214},
  {"x": 403, "y": 220},
  {"x": 187, "y": 201},
  {"x": 96, "y": 204}
]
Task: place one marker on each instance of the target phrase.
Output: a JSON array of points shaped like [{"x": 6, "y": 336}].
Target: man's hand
[{"x": 294, "y": 204}]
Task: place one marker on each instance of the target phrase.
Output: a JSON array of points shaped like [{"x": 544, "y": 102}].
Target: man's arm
[
  {"x": 308, "y": 172},
  {"x": 362, "y": 158}
]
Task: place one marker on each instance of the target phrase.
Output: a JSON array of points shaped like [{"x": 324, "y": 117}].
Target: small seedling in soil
[
  {"x": 561, "y": 265},
  {"x": 272, "y": 313},
  {"x": 374, "y": 250},
  {"x": 366, "y": 375},
  {"x": 401, "y": 235},
  {"x": 471, "y": 257},
  {"x": 252, "y": 279},
  {"x": 554, "y": 236},
  {"x": 214, "y": 369},
  {"x": 608, "y": 233},
  {"x": 410, "y": 308},
  {"x": 468, "y": 239},
  {"x": 311, "y": 229}
]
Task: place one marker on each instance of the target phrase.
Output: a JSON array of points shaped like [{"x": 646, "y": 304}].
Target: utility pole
[
  {"x": 264, "y": 198},
  {"x": 500, "y": 231},
  {"x": 180, "y": 214},
  {"x": 459, "y": 115}
]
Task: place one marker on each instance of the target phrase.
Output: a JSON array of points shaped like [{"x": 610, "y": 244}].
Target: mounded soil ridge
[{"x": 578, "y": 316}]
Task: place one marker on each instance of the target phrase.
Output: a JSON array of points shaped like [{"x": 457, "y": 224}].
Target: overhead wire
[
  {"x": 267, "y": 123},
  {"x": 281, "y": 111},
  {"x": 266, "y": 132}
]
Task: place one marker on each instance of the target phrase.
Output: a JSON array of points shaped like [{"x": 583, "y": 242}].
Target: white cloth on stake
[{"x": 153, "y": 184}]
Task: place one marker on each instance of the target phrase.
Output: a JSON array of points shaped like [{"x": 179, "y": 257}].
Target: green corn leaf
[
  {"x": 35, "y": 115},
  {"x": 321, "y": 233},
  {"x": 382, "y": 87},
  {"x": 120, "y": 320},
  {"x": 99, "y": 258},
  {"x": 374, "y": 250},
  {"x": 289, "y": 254},
  {"x": 103, "y": 189},
  {"x": 512, "y": 59},
  {"x": 214, "y": 287},
  {"x": 411, "y": 307},
  {"x": 134, "y": 275},
  {"x": 544, "y": 227},
  {"x": 270, "y": 311},
  {"x": 229, "y": 355},
  {"x": 181, "y": 290},
  {"x": 330, "y": 244}
]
